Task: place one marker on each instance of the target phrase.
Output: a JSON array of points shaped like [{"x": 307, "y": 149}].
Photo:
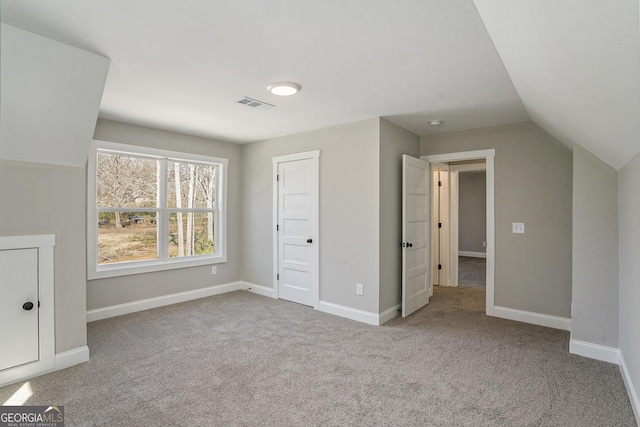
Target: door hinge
[
  {"x": 277, "y": 277},
  {"x": 278, "y": 177},
  {"x": 439, "y": 266},
  {"x": 439, "y": 183},
  {"x": 277, "y": 227},
  {"x": 439, "y": 225}
]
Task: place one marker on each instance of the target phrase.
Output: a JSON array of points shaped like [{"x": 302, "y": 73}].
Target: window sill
[{"x": 140, "y": 267}]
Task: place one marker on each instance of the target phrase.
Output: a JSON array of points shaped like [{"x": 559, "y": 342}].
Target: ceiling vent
[{"x": 254, "y": 103}]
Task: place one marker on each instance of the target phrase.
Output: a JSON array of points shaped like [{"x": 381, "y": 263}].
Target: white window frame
[{"x": 164, "y": 262}]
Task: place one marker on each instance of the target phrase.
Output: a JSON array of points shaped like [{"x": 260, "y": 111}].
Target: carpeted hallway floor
[
  {"x": 244, "y": 360},
  {"x": 472, "y": 272}
]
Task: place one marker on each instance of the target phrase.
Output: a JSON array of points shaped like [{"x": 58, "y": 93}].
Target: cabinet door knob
[
  {"x": 27, "y": 306},
  {"x": 309, "y": 240}
]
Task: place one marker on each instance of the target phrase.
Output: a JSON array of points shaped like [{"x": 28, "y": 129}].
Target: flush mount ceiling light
[
  {"x": 435, "y": 122},
  {"x": 284, "y": 88}
]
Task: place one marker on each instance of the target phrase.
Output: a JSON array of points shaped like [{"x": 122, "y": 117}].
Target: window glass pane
[
  {"x": 126, "y": 181},
  {"x": 125, "y": 236},
  {"x": 191, "y": 233},
  {"x": 195, "y": 185}
]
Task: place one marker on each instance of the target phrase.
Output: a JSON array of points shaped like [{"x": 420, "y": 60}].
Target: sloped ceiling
[
  {"x": 50, "y": 99},
  {"x": 576, "y": 67}
]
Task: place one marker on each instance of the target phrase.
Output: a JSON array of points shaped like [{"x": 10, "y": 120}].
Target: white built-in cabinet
[{"x": 27, "y": 329}]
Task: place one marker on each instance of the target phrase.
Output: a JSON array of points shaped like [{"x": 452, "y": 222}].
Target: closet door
[{"x": 19, "y": 307}]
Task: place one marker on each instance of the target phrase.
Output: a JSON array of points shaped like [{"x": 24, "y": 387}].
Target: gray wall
[
  {"x": 394, "y": 142},
  {"x": 472, "y": 211},
  {"x": 50, "y": 99},
  {"x": 595, "y": 250},
  {"x": 349, "y": 210},
  {"x": 629, "y": 213},
  {"x": 118, "y": 290},
  {"x": 48, "y": 199},
  {"x": 533, "y": 173}
]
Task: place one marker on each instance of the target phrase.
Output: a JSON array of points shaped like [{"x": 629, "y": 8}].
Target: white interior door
[
  {"x": 416, "y": 286},
  {"x": 297, "y": 229},
  {"x": 441, "y": 241},
  {"x": 19, "y": 307}
]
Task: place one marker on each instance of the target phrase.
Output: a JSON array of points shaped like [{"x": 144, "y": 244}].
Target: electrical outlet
[
  {"x": 518, "y": 227},
  {"x": 359, "y": 288},
  {"x": 214, "y": 270}
]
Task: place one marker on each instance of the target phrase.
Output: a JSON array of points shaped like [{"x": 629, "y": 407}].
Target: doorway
[
  {"x": 451, "y": 255},
  {"x": 472, "y": 224}
]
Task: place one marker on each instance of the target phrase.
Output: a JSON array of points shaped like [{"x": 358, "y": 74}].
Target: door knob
[
  {"x": 27, "y": 306},
  {"x": 309, "y": 240},
  {"x": 410, "y": 245}
]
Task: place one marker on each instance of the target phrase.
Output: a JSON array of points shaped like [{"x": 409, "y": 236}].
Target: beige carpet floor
[{"x": 243, "y": 360}]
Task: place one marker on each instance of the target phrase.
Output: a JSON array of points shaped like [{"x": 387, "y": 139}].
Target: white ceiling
[
  {"x": 576, "y": 66},
  {"x": 183, "y": 66}
]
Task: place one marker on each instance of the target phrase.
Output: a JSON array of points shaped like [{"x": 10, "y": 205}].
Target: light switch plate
[{"x": 518, "y": 227}]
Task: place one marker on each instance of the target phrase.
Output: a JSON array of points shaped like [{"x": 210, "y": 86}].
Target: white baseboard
[
  {"x": 631, "y": 390},
  {"x": 146, "y": 304},
  {"x": 533, "y": 318},
  {"x": 389, "y": 314},
  {"x": 594, "y": 351},
  {"x": 335, "y": 309},
  {"x": 349, "y": 313},
  {"x": 70, "y": 358},
  {"x": 472, "y": 254},
  {"x": 59, "y": 361},
  {"x": 358, "y": 315},
  {"x": 26, "y": 371},
  {"x": 259, "y": 289}
]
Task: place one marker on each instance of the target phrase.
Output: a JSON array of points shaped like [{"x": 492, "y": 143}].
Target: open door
[{"x": 416, "y": 286}]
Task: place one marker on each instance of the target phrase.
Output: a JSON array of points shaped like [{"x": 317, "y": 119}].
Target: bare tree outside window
[
  {"x": 192, "y": 189},
  {"x": 130, "y": 203},
  {"x": 126, "y": 182}
]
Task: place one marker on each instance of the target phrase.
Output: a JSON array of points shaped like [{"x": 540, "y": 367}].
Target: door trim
[
  {"x": 489, "y": 157},
  {"x": 315, "y": 156},
  {"x": 453, "y": 227}
]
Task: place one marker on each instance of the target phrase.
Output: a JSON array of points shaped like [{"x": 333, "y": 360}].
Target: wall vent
[{"x": 254, "y": 103}]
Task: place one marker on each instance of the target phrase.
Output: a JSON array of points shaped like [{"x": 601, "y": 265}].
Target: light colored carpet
[
  {"x": 243, "y": 360},
  {"x": 472, "y": 272}
]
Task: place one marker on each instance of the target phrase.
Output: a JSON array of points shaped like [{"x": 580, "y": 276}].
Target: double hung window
[{"x": 151, "y": 210}]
